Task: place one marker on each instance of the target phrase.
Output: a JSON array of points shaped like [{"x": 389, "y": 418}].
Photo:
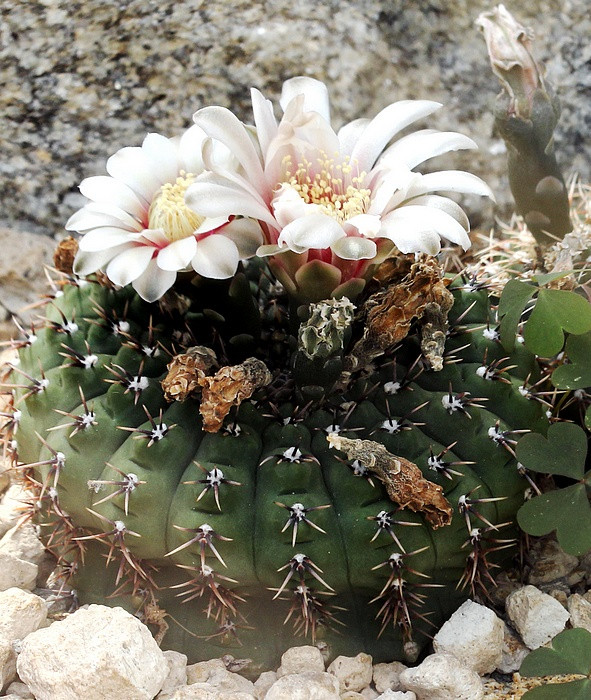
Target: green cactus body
[{"x": 261, "y": 535}]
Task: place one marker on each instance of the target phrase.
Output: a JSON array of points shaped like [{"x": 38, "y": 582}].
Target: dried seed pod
[
  {"x": 64, "y": 254},
  {"x": 184, "y": 372},
  {"x": 229, "y": 387}
]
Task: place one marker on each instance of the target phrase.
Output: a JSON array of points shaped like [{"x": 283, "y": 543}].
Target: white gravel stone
[
  {"x": 443, "y": 677},
  {"x": 202, "y": 691},
  {"x": 580, "y": 611},
  {"x": 263, "y": 683},
  {"x": 21, "y": 613},
  {"x": 225, "y": 681},
  {"x": 7, "y": 662},
  {"x": 398, "y": 695},
  {"x": 17, "y": 573},
  {"x": 177, "y": 674},
  {"x": 301, "y": 660},
  {"x": 305, "y": 686},
  {"x": 353, "y": 672},
  {"x": 514, "y": 651},
  {"x": 473, "y": 634},
  {"x": 201, "y": 671},
  {"x": 10, "y": 506},
  {"x": 19, "y": 690},
  {"x": 21, "y": 541},
  {"x": 537, "y": 616},
  {"x": 96, "y": 653},
  {"x": 369, "y": 693},
  {"x": 387, "y": 676}
]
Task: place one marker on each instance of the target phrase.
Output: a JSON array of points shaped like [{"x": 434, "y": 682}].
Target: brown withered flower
[{"x": 64, "y": 254}]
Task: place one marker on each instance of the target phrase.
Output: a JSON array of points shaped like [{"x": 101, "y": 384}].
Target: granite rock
[{"x": 82, "y": 79}]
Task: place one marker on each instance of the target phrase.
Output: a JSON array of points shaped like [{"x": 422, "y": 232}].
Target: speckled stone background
[{"x": 84, "y": 78}]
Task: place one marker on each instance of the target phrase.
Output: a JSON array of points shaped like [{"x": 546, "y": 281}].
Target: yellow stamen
[
  {"x": 327, "y": 188},
  {"x": 169, "y": 212}
]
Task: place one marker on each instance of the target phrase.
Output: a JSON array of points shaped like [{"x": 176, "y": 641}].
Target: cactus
[
  {"x": 526, "y": 115},
  {"x": 351, "y": 498}
]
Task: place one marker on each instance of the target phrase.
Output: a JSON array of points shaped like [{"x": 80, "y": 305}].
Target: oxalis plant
[{"x": 259, "y": 412}]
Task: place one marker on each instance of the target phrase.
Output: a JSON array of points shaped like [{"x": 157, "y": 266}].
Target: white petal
[
  {"x": 354, "y": 248},
  {"x": 270, "y": 249},
  {"x": 129, "y": 265},
  {"x": 288, "y": 205},
  {"x": 132, "y": 166},
  {"x": 422, "y": 145},
  {"x": 155, "y": 236},
  {"x": 444, "y": 204},
  {"x": 190, "y": 146},
  {"x": 409, "y": 241},
  {"x": 349, "y": 135},
  {"x": 210, "y": 223},
  {"x": 217, "y": 257},
  {"x": 107, "y": 190},
  {"x": 221, "y": 124},
  {"x": 246, "y": 235},
  {"x": 264, "y": 119},
  {"x": 154, "y": 282},
  {"x": 450, "y": 181},
  {"x": 87, "y": 263},
  {"x": 367, "y": 224},
  {"x": 163, "y": 155},
  {"x": 214, "y": 195},
  {"x": 390, "y": 188},
  {"x": 94, "y": 214},
  {"x": 177, "y": 255},
  {"x": 387, "y": 124},
  {"x": 313, "y": 231},
  {"x": 418, "y": 220},
  {"x": 104, "y": 237},
  {"x": 314, "y": 91}
]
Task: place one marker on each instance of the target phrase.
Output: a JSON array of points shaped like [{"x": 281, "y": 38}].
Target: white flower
[
  {"x": 138, "y": 228},
  {"x": 336, "y": 197}
]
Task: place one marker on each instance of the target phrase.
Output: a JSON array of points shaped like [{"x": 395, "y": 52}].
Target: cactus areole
[{"x": 250, "y": 465}]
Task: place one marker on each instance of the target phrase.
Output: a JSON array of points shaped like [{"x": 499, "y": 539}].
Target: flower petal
[
  {"x": 130, "y": 264},
  {"x": 107, "y": 190},
  {"x": 246, "y": 235},
  {"x": 105, "y": 237},
  {"x": 354, "y": 248},
  {"x": 154, "y": 282},
  {"x": 349, "y": 135},
  {"x": 221, "y": 124},
  {"x": 87, "y": 263},
  {"x": 288, "y": 205},
  {"x": 387, "y": 124},
  {"x": 450, "y": 181},
  {"x": 313, "y": 231},
  {"x": 367, "y": 224},
  {"x": 444, "y": 204},
  {"x": 215, "y": 195},
  {"x": 163, "y": 156},
  {"x": 315, "y": 95},
  {"x": 189, "y": 149},
  {"x": 217, "y": 257},
  {"x": 410, "y": 221},
  {"x": 264, "y": 119},
  {"x": 133, "y": 166},
  {"x": 422, "y": 145},
  {"x": 96, "y": 214},
  {"x": 177, "y": 256}
]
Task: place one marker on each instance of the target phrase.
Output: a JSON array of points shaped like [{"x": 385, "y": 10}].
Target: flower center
[
  {"x": 169, "y": 212},
  {"x": 331, "y": 185}
]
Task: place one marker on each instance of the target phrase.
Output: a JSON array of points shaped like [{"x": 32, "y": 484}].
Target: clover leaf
[
  {"x": 555, "y": 312},
  {"x": 566, "y": 510},
  {"x": 577, "y": 373},
  {"x": 570, "y": 653}
]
